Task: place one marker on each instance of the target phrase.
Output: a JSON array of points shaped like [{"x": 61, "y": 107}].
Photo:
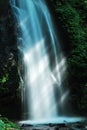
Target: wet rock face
[
  {"x": 9, "y": 79},
  {"x": 68, "y": 126}
]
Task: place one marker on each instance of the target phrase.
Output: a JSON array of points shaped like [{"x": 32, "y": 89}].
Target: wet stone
[{"x": 68, "y": 126}]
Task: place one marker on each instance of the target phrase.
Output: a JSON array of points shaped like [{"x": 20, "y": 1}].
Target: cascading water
[{"x": 44, "y": 64}]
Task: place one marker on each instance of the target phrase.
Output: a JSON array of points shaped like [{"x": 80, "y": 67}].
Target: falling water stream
[
  {"x": 43, "y": 93},
  {"x": 43, "y": 61}
]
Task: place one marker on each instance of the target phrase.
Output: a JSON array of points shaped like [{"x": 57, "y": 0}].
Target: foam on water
[{"x": 59, "y": 120}]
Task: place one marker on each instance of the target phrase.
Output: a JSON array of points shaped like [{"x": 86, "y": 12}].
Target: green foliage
[
  {"x": 83, "y": 102},
  {"x": 4, "y": 79},
  {"x": 73, "y": 17},
  {"x": 72, "y": 22},
  {"x": 5, "y": 124},
  {"x": 79, "y": 55},
  {"x": 2, "y": 125},
  {"x": 9, "y": 78}
]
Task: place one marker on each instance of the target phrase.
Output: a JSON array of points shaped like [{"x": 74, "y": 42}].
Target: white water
[
  {"x": 59, "y": 120},
  {"x": 44, "y": 64}
]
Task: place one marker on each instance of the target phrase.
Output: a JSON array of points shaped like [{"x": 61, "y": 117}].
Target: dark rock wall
[{"x": 9, "y": 78}]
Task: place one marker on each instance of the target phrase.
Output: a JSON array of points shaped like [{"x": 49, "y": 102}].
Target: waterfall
[{"x": 42, "y": 91}]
